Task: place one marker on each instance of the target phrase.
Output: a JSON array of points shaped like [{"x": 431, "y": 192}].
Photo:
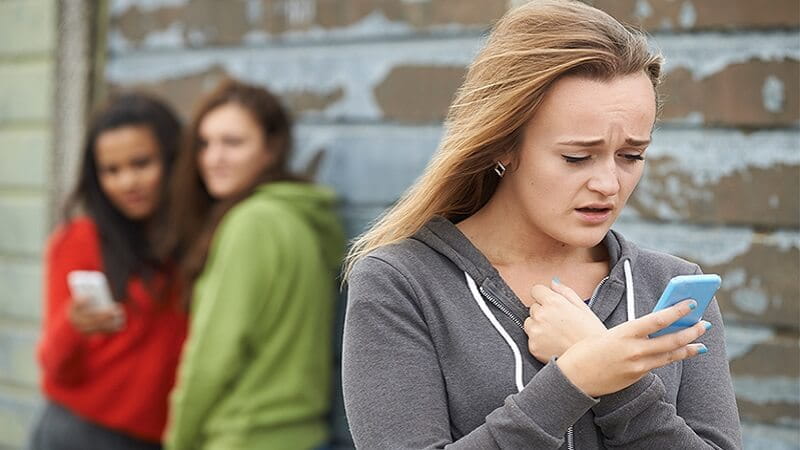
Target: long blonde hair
[{"x": 528, "y": 50}]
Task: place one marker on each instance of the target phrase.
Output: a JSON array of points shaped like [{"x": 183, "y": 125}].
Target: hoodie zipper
[
  {"x": 496, "y": 302},
  {"x": 597, "y": 291}
]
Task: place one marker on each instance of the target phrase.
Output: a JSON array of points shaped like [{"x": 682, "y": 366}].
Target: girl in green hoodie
[{"x": 260, "y": 248}]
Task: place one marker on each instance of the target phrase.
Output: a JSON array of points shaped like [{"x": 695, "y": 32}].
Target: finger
[
  {"x": 678, "y": 354},
  {"x": 544, "y": 295},
  {"x": 527, "y": 325},
  {"x": 533, "y": 309},
  {"x": 80, "y": 303},
  {"x": 566, "y": 292},
  {"x": 649, "y": 324},
  {"x": 672, "y": 341}
]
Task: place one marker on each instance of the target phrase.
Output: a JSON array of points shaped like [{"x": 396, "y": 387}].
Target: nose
[
  {"x": 604, "y": 179},
  {"x": 128, "y": 179}
]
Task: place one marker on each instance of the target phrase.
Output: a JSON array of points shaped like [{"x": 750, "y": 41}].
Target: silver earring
[{"x": 500, "y": 169}]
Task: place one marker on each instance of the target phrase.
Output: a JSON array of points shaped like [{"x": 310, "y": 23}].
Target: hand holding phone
[
  {"x": 700, "y": 288},
  {"x": 92, "y": 286}
]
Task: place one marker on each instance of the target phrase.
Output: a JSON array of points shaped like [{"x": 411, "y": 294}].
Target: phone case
[
  {"x": 701, "y": 288},
  {"x": 91, "y": 285}
]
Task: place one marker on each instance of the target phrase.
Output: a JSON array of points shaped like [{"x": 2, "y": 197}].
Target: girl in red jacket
[{"x": 107, "y": 371}]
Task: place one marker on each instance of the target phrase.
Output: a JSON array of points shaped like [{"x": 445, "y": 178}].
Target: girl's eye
[
  {"x": 633, "y": 157},
  {"x": 141, "y": 163},
  {"x": 575, "y": 159}
]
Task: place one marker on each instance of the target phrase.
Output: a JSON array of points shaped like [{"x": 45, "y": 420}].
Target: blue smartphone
[{"x": 701, "y": 288}]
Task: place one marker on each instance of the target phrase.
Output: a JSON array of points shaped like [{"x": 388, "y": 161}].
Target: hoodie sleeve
[
  {"x": 62, "y": 349},
  {"x": 226, "y": 300},
  {"x": 705, "y": 415},
  {"x": 394, "y": 392}
]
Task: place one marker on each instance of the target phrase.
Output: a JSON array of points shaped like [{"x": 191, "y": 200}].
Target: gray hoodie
[{"x": 424, "y": 367}]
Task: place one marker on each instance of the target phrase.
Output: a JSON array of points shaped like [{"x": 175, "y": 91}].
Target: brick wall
[{"x": 27, "y": 40}]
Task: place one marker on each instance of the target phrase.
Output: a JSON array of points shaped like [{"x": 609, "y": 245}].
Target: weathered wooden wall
[{"x": 370, "y": 81}]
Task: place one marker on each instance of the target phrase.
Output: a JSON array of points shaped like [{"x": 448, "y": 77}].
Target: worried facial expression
[
  {"x": 233, "y": 151},
  {"x": 130, "y": 170},
  {"x": 581, "y": 156}
]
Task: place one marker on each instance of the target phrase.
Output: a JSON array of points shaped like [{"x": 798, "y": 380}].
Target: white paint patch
[
  {"x": 752, "y": 298},
  {"x": 739, "y": 340},
  {"x": 196, "y": 38},
  {"x": 702, "y": 245},
  {"x": 709, "y": 155},
  {"x": 119, "y": 7},
  {"x": 297, "y": 12},
  {"x": 772, "y": 93},
  {"x": 782, "y": 239},
  {"x": 705, "y": 54},
  {"x": 117, "y": 43},
  {"x": 254, "y": 10},
  {"x": 766, "y": 437},
  {"x": 765, "y": 390},
  {"x": 373, "y": 24},
  {"x": 688, "y": 15},
  {"x": 256, "y": 37},
  {"x": 774, "y": 201},
  {"x": 322, "y": 69},
  {"x": 171, "y": 37},
  {"x": 642, "y": 9},
  {"x": 734, "y": 279}
]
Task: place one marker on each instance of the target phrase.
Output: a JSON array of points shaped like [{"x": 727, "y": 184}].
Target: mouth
[{"x": 595, "y": 213}]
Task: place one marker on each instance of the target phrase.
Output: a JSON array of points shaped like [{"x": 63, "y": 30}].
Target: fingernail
[
  {"x": 692, "y": 305},
  {"x": 556, "y": 280},
  {"x": 703, "y": 349},
  {"x": 707, "y": 325}
]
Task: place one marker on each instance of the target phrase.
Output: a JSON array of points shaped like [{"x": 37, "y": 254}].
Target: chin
[{"x": 585, "y": 238}]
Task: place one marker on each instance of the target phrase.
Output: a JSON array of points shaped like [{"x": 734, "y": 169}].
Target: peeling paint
[
  {"x": 643, "y": 9},
  {"x": 751, "y": 298},
  {"x": 765, "y": 390},
  {"x": 705, "y": 54},
  {"x": 740, "y": 340},
  {"x": 762, "y": 437},
  {"x": 118, "y": 7},
  {"x": 773, "y": 94},
  {"x": 297, "y": 12},
  {"x": 704, "y": 245},
  {"x": 784, "y": 240},
  {"x": 117, "y": 42},
  {"x": 709, "y": 155},
  {"x": 171, "y": 37},
  {"x": 354, "y": 68},
  {"x": 688, "y": 15},
  {"x": 254, "y": 11}
]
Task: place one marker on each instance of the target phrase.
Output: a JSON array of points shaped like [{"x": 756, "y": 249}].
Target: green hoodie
[{"x": 255, "y": 372}]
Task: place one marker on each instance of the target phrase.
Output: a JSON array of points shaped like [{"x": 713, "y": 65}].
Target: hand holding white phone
[{"x": 92, "y": 286}]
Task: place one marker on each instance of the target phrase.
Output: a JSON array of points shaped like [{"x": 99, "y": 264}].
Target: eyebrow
[{"x": 594, "y": 142}]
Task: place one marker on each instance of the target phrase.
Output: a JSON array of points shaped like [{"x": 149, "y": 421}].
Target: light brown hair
[{"x": 530, "y": 48}]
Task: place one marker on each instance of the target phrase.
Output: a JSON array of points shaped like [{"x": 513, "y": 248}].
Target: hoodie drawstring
[{"x": 473, "y": 288}]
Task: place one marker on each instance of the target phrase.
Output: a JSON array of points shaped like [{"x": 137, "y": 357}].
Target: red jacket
[{"x": 121, "y": 380}]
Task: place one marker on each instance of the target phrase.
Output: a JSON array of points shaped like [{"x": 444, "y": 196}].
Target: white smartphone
[{"x": 92, "y": 285}]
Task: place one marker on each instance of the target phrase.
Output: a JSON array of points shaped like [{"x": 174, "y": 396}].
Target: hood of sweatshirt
[
  {"x": 317, "y": 205},
  {"x": 445, "y": 238}
]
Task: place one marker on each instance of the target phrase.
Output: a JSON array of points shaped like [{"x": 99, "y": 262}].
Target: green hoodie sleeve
[{"x": 227, "y": 297}]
